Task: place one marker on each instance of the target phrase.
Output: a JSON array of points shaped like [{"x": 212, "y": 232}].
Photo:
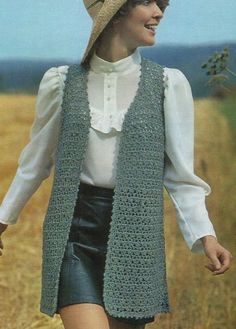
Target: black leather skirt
[{"x": 81, "y": 276}]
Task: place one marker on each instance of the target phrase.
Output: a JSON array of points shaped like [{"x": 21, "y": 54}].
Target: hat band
[{"x": 95, "y": 2}]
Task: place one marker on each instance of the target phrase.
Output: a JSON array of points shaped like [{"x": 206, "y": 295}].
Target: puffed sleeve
[
  {"x": 186, "y": 190},
  {"x": 37, "y": 158}
]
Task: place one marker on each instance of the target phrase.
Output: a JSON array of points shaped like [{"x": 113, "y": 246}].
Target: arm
[
  {"x": 185, "y": 188},
  {"x": 37, "y": 158}
]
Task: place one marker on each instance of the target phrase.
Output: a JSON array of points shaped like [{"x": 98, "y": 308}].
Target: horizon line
[{"x": 169, "y": 44}]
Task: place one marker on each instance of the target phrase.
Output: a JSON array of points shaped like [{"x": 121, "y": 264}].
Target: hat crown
[{"x": 93, "y": 7}]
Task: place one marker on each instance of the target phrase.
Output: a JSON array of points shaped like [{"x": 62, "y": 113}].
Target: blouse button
[
  {"x": 108, "y": 98},
  {"x": 108, "y": 86}
]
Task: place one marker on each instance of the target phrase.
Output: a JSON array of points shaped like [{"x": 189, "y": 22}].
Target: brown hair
[{"x": 124, "y": 10}]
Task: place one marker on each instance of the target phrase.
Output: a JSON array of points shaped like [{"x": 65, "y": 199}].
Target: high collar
[{"x": 124, "y": 65}]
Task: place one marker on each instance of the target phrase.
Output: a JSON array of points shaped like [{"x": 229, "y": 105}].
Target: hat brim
[{"x": 105, "y": 15}]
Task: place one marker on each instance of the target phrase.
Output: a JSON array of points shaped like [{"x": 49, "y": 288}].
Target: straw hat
[{"x": 101, "y": 12}]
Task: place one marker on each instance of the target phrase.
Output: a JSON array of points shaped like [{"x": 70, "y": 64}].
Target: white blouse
[{"x": 111, "y": 89}]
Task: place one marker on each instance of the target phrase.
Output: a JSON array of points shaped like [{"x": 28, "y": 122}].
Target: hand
[
  {"x": 219, "y": 256},
  {"x": 3, "y": 227}
]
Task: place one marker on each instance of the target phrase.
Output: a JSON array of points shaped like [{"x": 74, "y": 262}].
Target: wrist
[
  {"x": 3, "y": 227},
  {"x": 207, "y": 238}
]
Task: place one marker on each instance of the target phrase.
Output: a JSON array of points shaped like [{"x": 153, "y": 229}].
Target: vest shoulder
[
  {"x": 151, "y": 63},
  {"x": 77, "y": 67}
]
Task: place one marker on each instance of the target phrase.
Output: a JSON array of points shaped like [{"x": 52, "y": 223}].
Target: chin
[{"x": 148, "y": 43}]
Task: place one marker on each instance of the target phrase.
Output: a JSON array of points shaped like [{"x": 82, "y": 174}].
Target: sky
[{"x": 59, "y": 29}]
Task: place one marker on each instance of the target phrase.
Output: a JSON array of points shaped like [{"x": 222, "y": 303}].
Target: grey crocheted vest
[{"x": 135, "y": 283}]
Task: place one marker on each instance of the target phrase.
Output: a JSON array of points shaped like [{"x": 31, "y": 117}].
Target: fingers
[
  {"x": 225, "y": 261},
  {"x": 216, "y": 262},
  {"x": 221, "y": 264}
]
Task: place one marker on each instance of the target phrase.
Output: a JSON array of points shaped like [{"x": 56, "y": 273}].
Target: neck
[{"x": 113, "y": 49}]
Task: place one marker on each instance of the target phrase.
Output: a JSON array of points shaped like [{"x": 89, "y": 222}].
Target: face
[{"x": 138, "y": 27}]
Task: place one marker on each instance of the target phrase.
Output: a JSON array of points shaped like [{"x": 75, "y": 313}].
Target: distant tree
[
  {"x": 217, "y": 68},
  {"x": 1, "y": 84}
]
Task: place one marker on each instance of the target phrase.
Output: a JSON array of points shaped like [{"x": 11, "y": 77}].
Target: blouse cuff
[{"x": 194, "y": 222}]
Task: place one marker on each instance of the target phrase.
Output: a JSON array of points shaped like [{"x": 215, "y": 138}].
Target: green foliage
[{"x": 217, "y": 67}]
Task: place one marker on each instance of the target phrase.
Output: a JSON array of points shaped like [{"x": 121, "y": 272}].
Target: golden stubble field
[{"x": 199, "y": 300}]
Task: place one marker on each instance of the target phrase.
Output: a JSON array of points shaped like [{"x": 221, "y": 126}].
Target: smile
[{"x": 151, "y": 27}]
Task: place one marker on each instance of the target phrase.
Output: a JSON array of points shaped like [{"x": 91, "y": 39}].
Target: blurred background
[{"x": 36, "y": 35}]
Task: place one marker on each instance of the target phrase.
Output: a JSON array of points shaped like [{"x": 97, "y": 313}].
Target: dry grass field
[{"x": 199, "y": 300}]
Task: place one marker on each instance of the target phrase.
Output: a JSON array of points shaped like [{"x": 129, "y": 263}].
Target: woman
[{"x": 114, "y": 144}]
